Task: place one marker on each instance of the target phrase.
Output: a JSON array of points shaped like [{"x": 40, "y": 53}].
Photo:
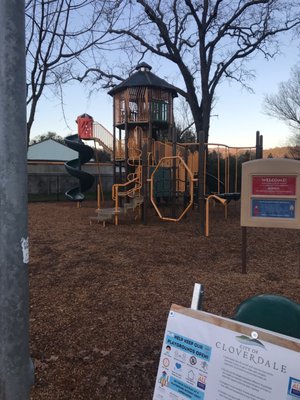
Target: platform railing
[{"x": 107, "y": 138}]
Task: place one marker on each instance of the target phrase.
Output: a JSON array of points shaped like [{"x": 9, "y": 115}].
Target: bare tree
[
  {"x": 184, "y": 123},
  {"x": 46, "y": 136},
  {"x": 285, "y": 106},
  {"x": 294, "y": 148},
  {"x": 59, "y": 35},
  {"x": 208, "y": 40}
]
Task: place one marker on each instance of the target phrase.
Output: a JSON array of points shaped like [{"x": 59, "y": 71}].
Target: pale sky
[{"x": 239, "y": 113}]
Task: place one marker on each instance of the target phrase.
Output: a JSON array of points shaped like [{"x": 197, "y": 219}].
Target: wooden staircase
[{"x": 130, "y": 191}]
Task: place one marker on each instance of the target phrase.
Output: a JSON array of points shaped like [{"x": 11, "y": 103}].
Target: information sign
[
  {"x": 270, "y": 196},
  {"x": 266, "y": 208},
  {"x": 276, "y": 185},
  {"x": 206, "y": 357}
]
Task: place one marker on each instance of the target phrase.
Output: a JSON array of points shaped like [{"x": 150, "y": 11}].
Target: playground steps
[
  {"x": 134, "y": 202},
  {"x": 105, "y": 214}
]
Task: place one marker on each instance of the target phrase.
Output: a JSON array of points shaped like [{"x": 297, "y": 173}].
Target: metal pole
[
  {"x": 261, "y": 148},
  {"x": 144, "y": 181},
  {"x": 16, "y": 372},
  {"x": 197, "y": 298},
  {"x": 259, "y": 145}
]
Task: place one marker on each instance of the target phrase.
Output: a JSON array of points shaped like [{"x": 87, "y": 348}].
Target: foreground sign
[{"x": 206, "y": 357}]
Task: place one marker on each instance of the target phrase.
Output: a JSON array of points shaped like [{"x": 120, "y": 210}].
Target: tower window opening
[{"x": 160, "y": 111}]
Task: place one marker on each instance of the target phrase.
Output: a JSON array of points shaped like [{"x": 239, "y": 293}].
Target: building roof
[
  {"x": 143, "y": 77},
  {"x": 50, "y": 150}
]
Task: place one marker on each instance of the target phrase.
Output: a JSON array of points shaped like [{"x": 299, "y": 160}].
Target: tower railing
[
  {"x": 106, "y": 139},
  {"x": 100, "y": 132}
]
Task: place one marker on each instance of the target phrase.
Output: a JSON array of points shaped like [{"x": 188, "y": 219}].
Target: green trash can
[{"x": 275, "y": 313}]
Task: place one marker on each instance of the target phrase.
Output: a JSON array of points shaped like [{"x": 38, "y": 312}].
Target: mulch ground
[{"x": 100, "y": 296}]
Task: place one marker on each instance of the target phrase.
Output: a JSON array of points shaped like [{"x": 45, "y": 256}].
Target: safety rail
[
  {"x": 106, "y": 139},
  {"x": 129, "y": 192},
  {"x": 191, "y": 188},
  {"x": 224, "y": 153},
  {"x": 100, "y": 132},
  {"x": 222, "y": 201},
  {"x": 134, "y": 154}
]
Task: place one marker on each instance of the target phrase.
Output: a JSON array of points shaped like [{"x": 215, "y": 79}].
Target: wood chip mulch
[{"x": 100, "y": 296}]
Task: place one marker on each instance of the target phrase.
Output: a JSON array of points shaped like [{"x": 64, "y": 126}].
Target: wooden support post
[
  {"x": 186, "y": 189},
  {"x": 299, "y": 260},
  {"x": 244, "y": 250},
  {"x": 126, "y": 148},
  {"x": 114, "y": 142},
  {"x": 144, "y": 181},
  {"x": 173, "y": 173},
  {"x": 201, "y": 171},
  {"x": 98, "y": 195}
]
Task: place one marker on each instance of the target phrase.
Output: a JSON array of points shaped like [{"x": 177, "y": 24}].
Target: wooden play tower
[{"x": 143, "y": 113}]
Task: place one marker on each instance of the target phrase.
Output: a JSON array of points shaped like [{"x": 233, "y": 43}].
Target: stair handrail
[
  {"x": 116, "y": 186},
  {"x": 133, "y": 148},
  {"x": 116, "y": 194}
]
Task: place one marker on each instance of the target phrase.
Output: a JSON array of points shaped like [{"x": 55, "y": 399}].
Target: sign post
[{"x": 270, "y": 196}]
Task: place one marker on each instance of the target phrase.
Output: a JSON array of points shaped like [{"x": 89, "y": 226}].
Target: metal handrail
[
  {"x": 222, "y": 201},
  {"x": 134, "y": 190}
]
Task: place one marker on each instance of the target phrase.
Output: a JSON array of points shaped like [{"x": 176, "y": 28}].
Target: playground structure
[{"x": 149, "y": 164}]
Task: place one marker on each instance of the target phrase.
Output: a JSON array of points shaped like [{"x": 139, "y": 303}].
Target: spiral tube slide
[{"x": 74, "y": 168}]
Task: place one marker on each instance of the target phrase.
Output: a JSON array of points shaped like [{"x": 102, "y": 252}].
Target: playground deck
[{"x": 99, "y": 296}]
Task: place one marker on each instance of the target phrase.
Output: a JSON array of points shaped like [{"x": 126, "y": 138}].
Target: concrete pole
[{"x": 16, "y": 372}]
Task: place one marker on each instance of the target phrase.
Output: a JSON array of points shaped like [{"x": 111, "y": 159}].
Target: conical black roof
[{"x": 143, "y": 77}]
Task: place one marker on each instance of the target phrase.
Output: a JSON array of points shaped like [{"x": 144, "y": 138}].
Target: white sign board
[
  {"x": 270, "y": 195},
  {"x": 206, "y": 357}
]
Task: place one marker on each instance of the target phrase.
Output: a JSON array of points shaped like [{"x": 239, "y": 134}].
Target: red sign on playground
[{"x": 274, "y": 185}]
